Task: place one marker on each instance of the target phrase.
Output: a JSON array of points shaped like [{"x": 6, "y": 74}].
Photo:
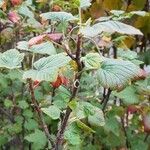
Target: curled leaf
[{"x": 13, "y": 17}]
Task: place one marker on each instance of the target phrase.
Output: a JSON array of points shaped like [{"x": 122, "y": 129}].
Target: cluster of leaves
[{"x": 74, "y": 74}]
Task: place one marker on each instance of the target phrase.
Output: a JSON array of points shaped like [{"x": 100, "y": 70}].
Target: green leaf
[
  {"x": 58, "y": 16},
  {"x": 47, "y": 68},
  {"x": 84, "y": 109},
  {"x": 52, "y": 111},
  {"x": 84, "y": 127},
  {"x": 97, "y": 119},
  {"x": 15, "y": 75},
  {"x": 54, "y": 61},
  {"x": 38, "y": 139},
  {"x": 85, "y": 3},
  {"x": 24, "y": 10},
  {"x": 127, "y": 54},
  {"x": 23, "y": 104},
  {"x": 41, "y": 75},
  {"x": 72, "y": 134},
  {"x": 3, "y": 139},
  {"x": 8, "y": 103},
  {"x": 139, "y": 13},
  {"x": 112, "y": 125},
  {"x": 23, "y": 45},
  {"x": 11, "y": 59},
  {"x": 28, "y": 113},
  {"x": 89, "y": 31},
  {"x": 143, "y": 86},
  {"x": 43, "y": 48},
  {"x": 117, "y": 12},
  {"x": 116, "y": 26},
  {"x": 61, "y": 97},
  {"x": 34, "y": 23},
  {"x": 81, "y": 109},
  {"x": 115, "y": 74},
  {"x": 128, "y": 95},
  {"x": 30, "y": 124},
  {"x": 92, "y": 61}
]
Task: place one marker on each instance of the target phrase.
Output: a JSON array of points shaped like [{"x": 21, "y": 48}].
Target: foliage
[{"x": 74, "y": 74}]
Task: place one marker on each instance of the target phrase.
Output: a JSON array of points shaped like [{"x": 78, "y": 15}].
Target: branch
[
  {"x": 10, "y": 117},
  {"x": 125, "y": 132},
  {"x": 63, "y": 126},
  {"x": 40, "y": 114},
  {"x": 115, "y": 51},
  {"x": 65, "y": 48},
  {"x": 105, "y": 101}
]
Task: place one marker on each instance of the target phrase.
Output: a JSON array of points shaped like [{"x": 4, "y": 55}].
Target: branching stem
[
  {"x": 64, "y": 122},
  {"x": 40, "y": 114}
]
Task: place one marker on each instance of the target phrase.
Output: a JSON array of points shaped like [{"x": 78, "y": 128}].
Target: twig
[
  {"x": 104, "y": 95},
  {"x": 106, "y": 99},
  {"x": 40, "y": 114},
  {"x": 65, "y": 48}
]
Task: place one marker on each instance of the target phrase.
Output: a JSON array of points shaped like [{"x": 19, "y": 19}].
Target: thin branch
[
  {"x": 10, "y": 117},
  {"x": 125, "y": 132},
  {"x": 115, "y": 51},
  {"x": 65, "y": 48},
  {"x": 106, "y": 100},
  {"x": 96, "y": 45},
  {"x": 40, "y": 114},
  {"x": 104, "y": 95}
]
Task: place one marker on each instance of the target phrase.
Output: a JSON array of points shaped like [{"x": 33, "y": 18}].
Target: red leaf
[
  {"x": 57, "y": 83},
  {"x": 55, "y": 36},
  {"x": 36, "y": 40},
  {"x": 13, "y": 17},
  {"x": 60, "y": 80},
  {"x": 16, "y": 2},
  {"x": 65, "y": 81},
  {"x": 142, "y": 74},
  {"x": 36, "y": 83},
  {"x": 132, "y": 109}
]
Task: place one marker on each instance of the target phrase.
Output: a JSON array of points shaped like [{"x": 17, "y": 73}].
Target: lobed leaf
[
  {"x": 115, "y": 74},
  {"x": 110, "y": 27},
  {"x": 92, "y": 61},
  {"x": 116, "y": 26},
  {"x": 11, "y": 59},
  {"x": 42, "y": 48},
  {"x": 52, "y": 111},
  {"x": 24, "y": 10},
  {"x": 35, "y": 138},
  {"x": 46, "y": 68},
  {"x": 58, "y": 16},
  {"x": 128, "y": 95},
  {"x": 85, "y": 3}
]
